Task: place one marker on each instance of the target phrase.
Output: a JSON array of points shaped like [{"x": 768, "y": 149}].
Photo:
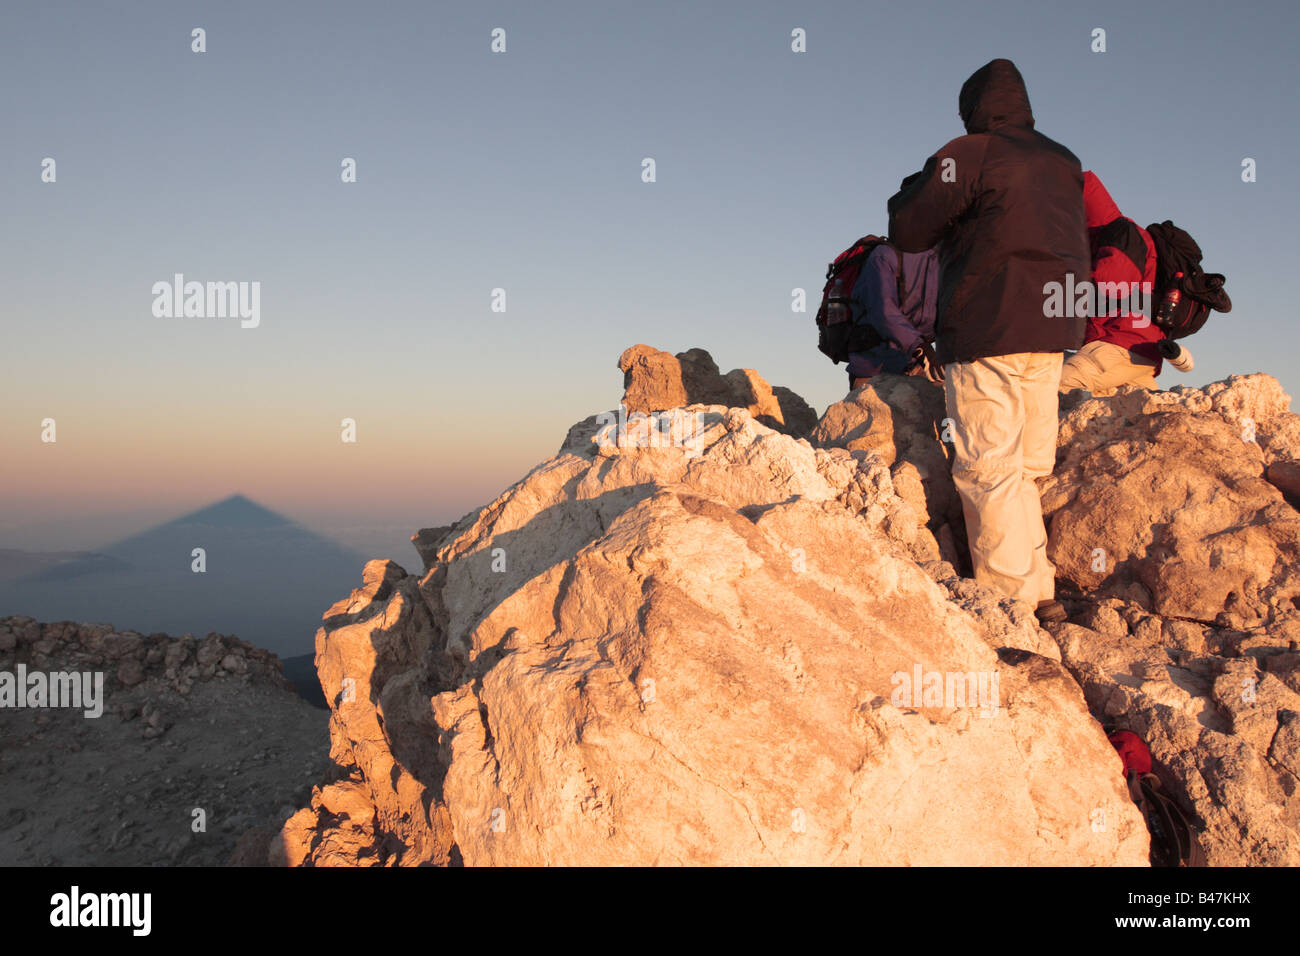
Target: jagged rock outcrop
[
  {"x": 682, "y": 639},
  {"x": 1169, "y": 527},
  {"x": 654, "y": 381},
  {"x": 1219, "y": 710},
  {"x": 696, "y": 651},
  {"x": 1172, "y": 524},
  {"x": 185, "y": 747},
  {"x": 1160, "y": 498},
  {"x": 1174, "y": 500},
  {"x": 371, "y": 656}
]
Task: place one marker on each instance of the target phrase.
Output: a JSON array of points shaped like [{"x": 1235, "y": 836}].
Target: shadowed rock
[{"x": 1285, "y": 477}]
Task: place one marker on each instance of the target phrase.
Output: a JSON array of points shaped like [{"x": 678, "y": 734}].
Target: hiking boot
[{"x": 1050, "y": 612}]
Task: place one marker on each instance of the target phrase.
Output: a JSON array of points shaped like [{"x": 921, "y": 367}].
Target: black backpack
[
  {"x": 1192, "y": 295},
  {"x": 838, "y": 339}
]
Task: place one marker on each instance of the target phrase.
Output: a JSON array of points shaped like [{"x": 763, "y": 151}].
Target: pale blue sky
[{"x": 522, "y": 171}]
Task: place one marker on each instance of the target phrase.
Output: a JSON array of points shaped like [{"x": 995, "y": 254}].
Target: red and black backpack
[
  {"x": 1173, "y": 838},
  {"x": 841, "y": 331}
]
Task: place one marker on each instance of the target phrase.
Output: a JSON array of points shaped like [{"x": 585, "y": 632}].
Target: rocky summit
[{"x": 713, "y": 630}]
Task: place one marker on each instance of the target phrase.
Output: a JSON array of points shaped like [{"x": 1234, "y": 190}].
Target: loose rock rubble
[{"x": 198, "y": 742}]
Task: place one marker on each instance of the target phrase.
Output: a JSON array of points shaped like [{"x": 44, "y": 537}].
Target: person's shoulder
[
  {"x": 1146, "y": 238},
  {"x": 876, "y": 271},
  {"x": 1060, "y": 148},
  {"x": 1124, "y": 225},
  {"x": 963, "y": 143},
  {"x": 883, "y": 256},
  {"x": 964, "y": 150}
]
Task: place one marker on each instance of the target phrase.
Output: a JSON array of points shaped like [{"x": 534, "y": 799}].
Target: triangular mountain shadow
[
  {"x": 266, "y": 579},
  {"x": 235, "y": 511},
  {"x": 160, "y": 546}
]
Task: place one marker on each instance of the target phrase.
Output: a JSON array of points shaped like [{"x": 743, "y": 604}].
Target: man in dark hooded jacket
[{"x": 1004, "y": 205}]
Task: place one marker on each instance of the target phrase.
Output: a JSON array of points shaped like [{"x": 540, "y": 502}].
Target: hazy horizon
[
  {"x": 265, "y": 578},
  {"x": 97, "y": 531},
  {"x": 522, "y": 170}
]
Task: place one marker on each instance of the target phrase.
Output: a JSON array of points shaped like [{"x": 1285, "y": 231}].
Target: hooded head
[
  {"x": 994, "y": 96},
  {"x": 1097, "y": 204}
]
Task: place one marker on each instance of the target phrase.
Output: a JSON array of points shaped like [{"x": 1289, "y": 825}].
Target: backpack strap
[
  {"x": 1174, "y": 840},
  {"x": 1135, "y": 788}
]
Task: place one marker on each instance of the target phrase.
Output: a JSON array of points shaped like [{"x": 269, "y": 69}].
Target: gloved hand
[
  {"x": 933, "y": 371},
  {"x": 1179, "y": 356}
]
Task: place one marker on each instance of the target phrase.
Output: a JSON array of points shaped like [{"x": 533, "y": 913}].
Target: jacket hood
[
  {"x": 994, "y": 96},
  {"x": 1097, "y": 204}
]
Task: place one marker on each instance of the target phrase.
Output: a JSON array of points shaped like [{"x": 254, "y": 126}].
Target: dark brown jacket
[{"x": 1009, "y": 222}]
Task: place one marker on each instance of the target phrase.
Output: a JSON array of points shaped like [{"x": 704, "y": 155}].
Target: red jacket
[{"x": 1122, "y": 252}]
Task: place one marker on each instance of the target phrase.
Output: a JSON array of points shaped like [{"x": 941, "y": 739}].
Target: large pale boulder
[{"x": 701, "y": 652}]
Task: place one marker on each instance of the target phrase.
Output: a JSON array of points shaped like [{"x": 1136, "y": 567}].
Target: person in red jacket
[{"x": 1122, "y": 346}]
